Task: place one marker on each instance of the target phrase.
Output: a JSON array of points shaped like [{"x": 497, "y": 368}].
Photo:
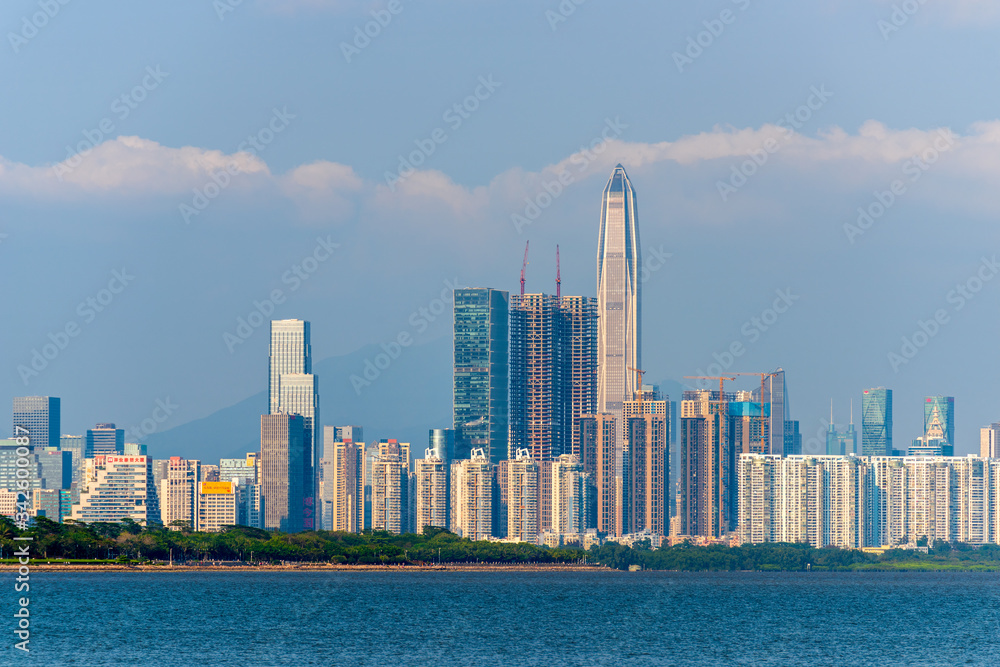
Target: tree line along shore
[{"x": 127, "y": 544}]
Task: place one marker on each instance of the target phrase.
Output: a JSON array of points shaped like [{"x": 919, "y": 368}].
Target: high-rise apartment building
[
  {"x": 876, "y": 422},
  {"x": 648, "y": 438},
  {"x": 570, "y": 489},
  {"x": 431, "y": 486},
  {"x": 40, "y": 417},
  {"x": 472, "y": 496},
  {"x": 343, "y": 485},
  {"x": 579, "y": 342},
  {"x": 821, "y": 500},
  {"x": 178, "y": 494},
  {"x": 481, "y": 372},
  {"x": 282, "y": 450},
  {"x": 706, "y": 502},
  {"x": 390, "y": 484},
  {"x": 599, "y": 457},
  {"x": 115, "y": 487},
  {"x": 523, "y": 497}
]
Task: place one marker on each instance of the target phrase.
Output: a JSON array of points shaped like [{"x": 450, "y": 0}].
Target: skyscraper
[
  {"x": 390, "y": 508},
  {"x": 939, "y": 415},
  {"x": 876, "y": 422},
  {"x": 431, "y": 492},
  {"x": 598, "y": 446},
  {"x": 706, "y": 500},
  {"x": 117, "y": 487},
  {"x": 522, "y": 498},
  {"x": 472, "y": 497},
  {"x": 293, "y": 389},
  {"x": 290, "y": 352},
  {"x": 648, "y": 426},
  {"x": 619, "y": 261},
  {"x": 344, "y": 486},
  {"x": 553, "y": 371},
  {"x": 282, "y": 449},
  {"x": 39, "y": 416},
  {"x": 104, "y": 439},
  {"x": 481, "y": 374},
  {"x": 178, "y": 494},
  {"x": 298, "y": 394}
]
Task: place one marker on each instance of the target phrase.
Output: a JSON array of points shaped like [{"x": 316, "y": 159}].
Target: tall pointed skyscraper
[{"x": 619, "y": 261}]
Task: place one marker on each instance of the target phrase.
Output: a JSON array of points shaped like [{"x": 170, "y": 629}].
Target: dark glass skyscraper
[
  {"x": 39, "y": 415},
  {"x": 481, "y": 375},
  {"x": 104, "y": 439},
  {"x": 876, "y": 422}
]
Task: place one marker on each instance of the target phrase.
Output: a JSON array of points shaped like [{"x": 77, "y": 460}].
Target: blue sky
[{"x": 328, "y": 130}]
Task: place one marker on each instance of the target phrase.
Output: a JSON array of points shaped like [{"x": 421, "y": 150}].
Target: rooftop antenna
[
  {"x": 831, "y": 412},
  {"x": 524, "y": 265},
  {"x": 852, "y": 410},
  {"x": 558, "y": 278}
]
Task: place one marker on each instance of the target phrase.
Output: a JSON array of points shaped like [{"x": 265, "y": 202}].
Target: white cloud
[{"x": 835, "y": 160}]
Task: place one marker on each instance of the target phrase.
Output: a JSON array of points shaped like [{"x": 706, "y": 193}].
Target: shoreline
[{"x": 308, "y": 567}]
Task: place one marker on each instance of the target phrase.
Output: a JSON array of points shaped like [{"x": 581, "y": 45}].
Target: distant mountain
[{"x": 405, "y": 399}]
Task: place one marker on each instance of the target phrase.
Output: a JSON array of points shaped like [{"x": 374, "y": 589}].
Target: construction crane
[
  {"x": 639, "y": 374},
  {"x": 524, "y": 265},
  {"x": 558, "y": 278},
  {"x": 762, "y": 418},
  {"x": 721, "y": 380}
]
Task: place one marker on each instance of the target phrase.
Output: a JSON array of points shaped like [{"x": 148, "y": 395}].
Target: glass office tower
[
  {"x": 39, "y": 415},
  {"x": 876, "y": 422},
  {"x": 481, "y": 375},
  {"x": 940, "y": 411}
]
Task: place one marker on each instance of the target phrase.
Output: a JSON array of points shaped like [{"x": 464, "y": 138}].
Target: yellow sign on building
[{"x": 216, "y": 487}]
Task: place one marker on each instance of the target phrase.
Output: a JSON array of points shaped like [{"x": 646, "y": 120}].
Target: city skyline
[{"x": 856, "y": 126}]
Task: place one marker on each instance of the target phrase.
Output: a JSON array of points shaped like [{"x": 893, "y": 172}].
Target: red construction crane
[
  {"x": 639, "y": 375},
  {"x": 558, "y": 278},
  {"x": 524, "y": 265}
]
